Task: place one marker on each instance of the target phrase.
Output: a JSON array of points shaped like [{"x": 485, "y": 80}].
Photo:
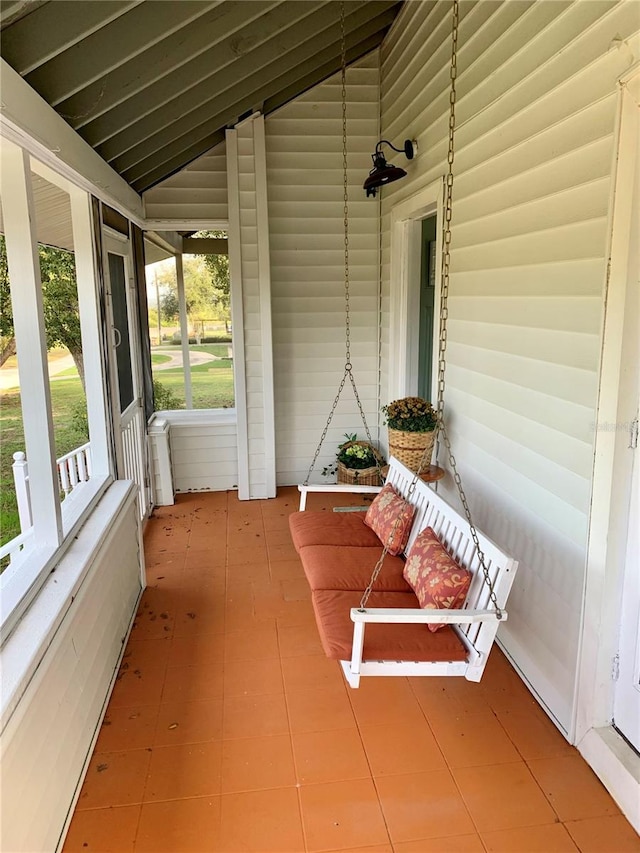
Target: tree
[
  {"x": 169, "y": 305},
  {"x": 206, "y": 288},
  {"x": 60, "y": 303},
  {"x": 218, "y": 269},
  {"x": 7, "y": 337},
  {"x": 60, "y": 298}
]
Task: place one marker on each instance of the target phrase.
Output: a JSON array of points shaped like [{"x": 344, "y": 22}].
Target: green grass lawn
[
  {"x": 211, "y": 384},
  {"x": 66, "y": 397},
  {"x": 159, "y": 358},
  {"x": 214, "y": 349}
]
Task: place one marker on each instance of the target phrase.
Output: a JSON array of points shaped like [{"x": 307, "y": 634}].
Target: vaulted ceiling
[{"x": 153, "y": 84}]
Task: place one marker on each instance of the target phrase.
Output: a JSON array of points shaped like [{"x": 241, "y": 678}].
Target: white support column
[
  {"x": 18, "y": 214},
  {"x": 266, "y": 333},
  {"x": 237, "y": 314},
  {"x": 91, "y": 330},
  {"x": 184, "y": 332}
]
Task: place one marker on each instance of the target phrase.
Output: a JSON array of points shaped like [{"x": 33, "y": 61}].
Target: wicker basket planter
[
  {"x": 360, "y": 476},
  {"x": 411, "y": 447}
]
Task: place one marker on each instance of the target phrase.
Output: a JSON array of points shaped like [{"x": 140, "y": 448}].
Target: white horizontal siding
[
  {"x": 204, "y": 457},
  {"x": 534, "y": 150},
  {"x": 197, "y": 192},
  {"x": 305, "y": 187},
  {"x": 47, "y": 740}
]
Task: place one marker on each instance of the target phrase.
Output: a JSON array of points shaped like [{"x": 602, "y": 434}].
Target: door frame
[
  {"x": 404, "y": 305},
  {"x": 615, "y": 762},
  {"x": 119, "y": 244}
]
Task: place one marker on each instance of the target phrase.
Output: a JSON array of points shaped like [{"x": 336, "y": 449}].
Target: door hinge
[
  {"x": 633, "y": 434},
  {"x": 615, "y": 667}
]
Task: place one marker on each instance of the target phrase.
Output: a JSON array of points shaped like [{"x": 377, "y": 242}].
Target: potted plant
[
  {"x": 412, "y": 423},
  {"x": 357, "y": 462}
]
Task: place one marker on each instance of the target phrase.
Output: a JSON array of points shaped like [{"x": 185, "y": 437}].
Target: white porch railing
[
  {"x": 12, "y": 553},
  {"x": 73, "y": 468},
  {"x": 133, "y": 426}
]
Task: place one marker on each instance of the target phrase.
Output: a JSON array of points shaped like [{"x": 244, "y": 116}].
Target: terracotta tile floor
[{"x": 228, "y": 730}]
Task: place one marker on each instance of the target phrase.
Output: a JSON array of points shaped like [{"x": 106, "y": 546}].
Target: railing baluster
[
  {"x": 73, "y": 471},
  {"x": 64, "y": 476},
  {"x": 82, "y": 466}
]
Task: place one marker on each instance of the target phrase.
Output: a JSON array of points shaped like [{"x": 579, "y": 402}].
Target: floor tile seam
[
  {"x": 529, "y": 826},
  {"x": 298, "y": 786},
  {"x": 582, "y": 820},
  {"x": 463, "y": 799},
  {"x": 86, "y": 809},
  {"x": 97, "y": 753},
  {"x": 558, "y": 820},
  {"x": 368, "y": 760},
  {"x": 430, "y": 727},
  {"x": 596, "y": 779},
  {"x": 542, "y": 791},
  {"x": 180, "y": 799},
  {"x": 506, "y": 732}
]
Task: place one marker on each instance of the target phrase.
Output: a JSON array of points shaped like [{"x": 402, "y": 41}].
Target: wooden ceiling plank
[
  {"x": 202, "y": 72},
  {"x": 161, "y": 60},
  {"x": 12, "y": 11},
  {"x": 54, "y": 28},
  {"x": 172, "y": 158},
  {"x": 235, "y": 87},
  {"x": 112, "y": 45}
]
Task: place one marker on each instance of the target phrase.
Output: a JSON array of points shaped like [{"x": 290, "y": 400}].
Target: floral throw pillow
[
  {"x": 437, "y": 580},
  {"x": 390, "y": 517}
]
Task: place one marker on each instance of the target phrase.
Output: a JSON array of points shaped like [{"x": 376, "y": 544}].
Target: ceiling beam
[
  {"x": 112, "y": 45},
  {"x": 241, "y": 87},
  {"x": 54, "y": 28},
  {"x": 158, "y": 61},
  {"x": 161, "y": 166},
  {"x": 197, "y": 80}
]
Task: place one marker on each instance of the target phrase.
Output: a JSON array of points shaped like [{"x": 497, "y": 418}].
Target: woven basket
[
  {"x": 411, "y": 447},
  {"x": 360, "y": 476}
]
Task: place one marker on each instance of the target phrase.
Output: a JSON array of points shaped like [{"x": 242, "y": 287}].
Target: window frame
[
  {"x": 184, "y": 321},
  {"x": 56, "y": 523}
]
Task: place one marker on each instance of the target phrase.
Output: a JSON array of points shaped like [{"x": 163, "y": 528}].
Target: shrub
[{"x": 164, "y": 398}]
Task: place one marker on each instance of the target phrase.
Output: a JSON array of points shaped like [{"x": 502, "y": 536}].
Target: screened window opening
[
  {"x": 190, "y": 328},
  {"x": 55, "y": 445}
]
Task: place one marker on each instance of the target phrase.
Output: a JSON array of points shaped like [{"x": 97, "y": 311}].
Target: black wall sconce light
[{"x": 383, "y": 172}]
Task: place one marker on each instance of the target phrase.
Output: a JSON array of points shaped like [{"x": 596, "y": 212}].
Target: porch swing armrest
[
  {"x": 420, "y": 616},
  {"x": 335, "y": 488}
]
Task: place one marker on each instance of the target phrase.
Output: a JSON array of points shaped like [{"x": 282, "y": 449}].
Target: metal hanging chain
[
  {"x": 444, "y": 311},
  {"x": 442, "y": 344},
  {"x": 348, "y": 367}
]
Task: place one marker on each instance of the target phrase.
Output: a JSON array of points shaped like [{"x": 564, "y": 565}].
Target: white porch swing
[{"x": 399, "y": 642}]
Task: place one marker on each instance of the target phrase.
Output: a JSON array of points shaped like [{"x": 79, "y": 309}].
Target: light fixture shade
[{"x": 385, "y": 173}]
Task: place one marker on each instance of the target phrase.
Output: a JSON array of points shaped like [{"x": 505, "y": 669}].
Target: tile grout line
[{"x": 298, "y": 784}]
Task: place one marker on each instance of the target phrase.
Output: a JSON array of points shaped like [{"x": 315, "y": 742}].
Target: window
[
  {"x": 50, "y": 287},
  {"x": 190, "y": 327}
]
